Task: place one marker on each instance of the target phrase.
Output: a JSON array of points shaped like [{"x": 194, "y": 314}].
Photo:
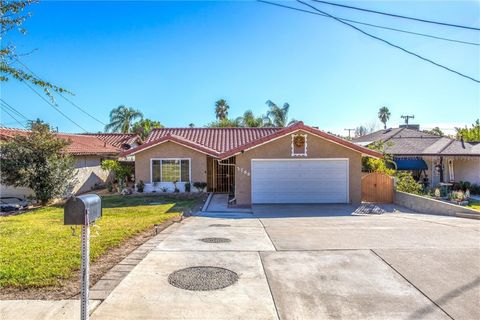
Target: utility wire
[
  {"x": 11, "y": 115},
  {"x": 13, "y": 109},
  {"x": 53, "y": 106},
  {"x": 81, "y": 109},
  {"x": 391, "y": 44},
  {"x": 63, "y": 96},
  {"x": 373, "y": 25},
  {"x": 398, "y": 16}
]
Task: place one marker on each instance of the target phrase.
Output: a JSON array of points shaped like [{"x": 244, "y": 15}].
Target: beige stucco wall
[
  {"x": 88, "y": 172},
  {"x": 282, "y": 148},
  {"x": 467, "y": 169},
  {"x": 168, "y": 149}
]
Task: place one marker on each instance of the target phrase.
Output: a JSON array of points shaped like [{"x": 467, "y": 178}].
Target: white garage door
[{"x": 300, "y": 181}]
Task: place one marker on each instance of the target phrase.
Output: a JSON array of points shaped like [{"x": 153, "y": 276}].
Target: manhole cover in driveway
[
  {"x": 202, "y": 278},
  {"x": 215, "y": 240},
  {"x": 219, "y": 225}
]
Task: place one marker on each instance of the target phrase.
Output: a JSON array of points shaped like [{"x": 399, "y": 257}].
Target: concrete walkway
[
  {"x": 297, "y": 266},
  {"x": 219, "y": 204},
  {"x": 42, "y": 309}
]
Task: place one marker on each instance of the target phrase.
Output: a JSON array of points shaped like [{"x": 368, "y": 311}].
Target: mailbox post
[{"x": 83, "y": 210}]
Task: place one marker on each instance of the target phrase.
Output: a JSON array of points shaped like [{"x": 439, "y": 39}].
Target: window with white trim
[{"x": 171, "y": 170}]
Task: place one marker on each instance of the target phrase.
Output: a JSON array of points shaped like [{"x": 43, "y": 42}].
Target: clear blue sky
[{"x": 173, "y": 60}]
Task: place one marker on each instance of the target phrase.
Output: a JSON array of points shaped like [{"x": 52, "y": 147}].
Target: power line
[
  {"x": 66, "y": 99},
  {"x": 398, "y": 16},
  {"x": 13, "y": 117},
  {"x": 13, "y": 109},
  {"x": 53, "y": 106},
  {"x": 373, "y": 25},
  {"x": 79, "y": 108},
  {"x": 391, "y": 44}
]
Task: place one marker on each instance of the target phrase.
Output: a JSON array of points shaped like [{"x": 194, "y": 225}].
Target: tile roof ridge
[
  {"x": 219, "y": 128},
  {"x": 447, "y": 145},
  {"x": 393, "y": 135},
  {"x": 170, "y": 136},
  {"x": 110, "y": 133}
]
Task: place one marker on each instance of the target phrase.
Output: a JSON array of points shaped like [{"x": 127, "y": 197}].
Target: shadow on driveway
[{"x": 307, "y": 210}]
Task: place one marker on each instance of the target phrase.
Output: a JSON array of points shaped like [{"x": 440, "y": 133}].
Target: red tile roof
[
  {"x": 218, "y": 140},
  {"x": 79, "y": 144},
  {"x": 118, "y": 140},
  {"x": 226, "y": 142}
]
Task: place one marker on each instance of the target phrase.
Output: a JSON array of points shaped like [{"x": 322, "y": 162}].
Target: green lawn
[
  {"x": 474, "y": 205},
  {"x": 36, "y": 249}
]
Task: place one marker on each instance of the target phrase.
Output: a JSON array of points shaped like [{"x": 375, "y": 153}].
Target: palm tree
[
  {"x": 221, "y": 109},
  {"x": 278, "y": 115},
  {"x": 122, "y": 118},
  {"x": 384, "y": 116},
  {"x": 249, "y": 120}
]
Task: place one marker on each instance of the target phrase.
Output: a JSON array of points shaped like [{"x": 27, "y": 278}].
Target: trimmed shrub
[{"x": 407, "y": 183}]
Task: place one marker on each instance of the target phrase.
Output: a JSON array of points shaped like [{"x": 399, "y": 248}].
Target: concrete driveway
[{"x": 323, "y": 262}]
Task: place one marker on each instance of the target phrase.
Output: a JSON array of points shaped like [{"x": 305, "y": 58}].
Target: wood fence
[{"x": 377, "y": 188}]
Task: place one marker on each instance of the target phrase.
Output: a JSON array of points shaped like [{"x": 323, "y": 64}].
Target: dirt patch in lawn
[{"x": 70, "y": 288}]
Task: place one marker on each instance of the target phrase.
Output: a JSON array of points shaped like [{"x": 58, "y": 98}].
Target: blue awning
[{"x": 411, "y": 164}]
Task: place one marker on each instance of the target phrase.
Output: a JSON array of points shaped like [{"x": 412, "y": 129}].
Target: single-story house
[
  {"x": 88, "y": 150},
  {"x": 432, "y": 158},
  {"x": 296, "y": 164}
]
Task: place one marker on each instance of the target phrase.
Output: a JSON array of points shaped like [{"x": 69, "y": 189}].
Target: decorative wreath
[{"x": 299, "y": 141}]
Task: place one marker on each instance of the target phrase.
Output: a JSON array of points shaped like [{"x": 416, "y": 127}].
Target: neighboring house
[
  {"x": 88, "y": 151},
  {"x": 438, "y": 159},
  {"x": 296, "y": 164},
  {"x": 124, "y": 141}
]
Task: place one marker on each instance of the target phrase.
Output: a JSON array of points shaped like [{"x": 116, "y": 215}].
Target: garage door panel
[{"x": 300, "y": 181}]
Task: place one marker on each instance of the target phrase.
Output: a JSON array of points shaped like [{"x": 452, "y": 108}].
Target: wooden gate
[{"x": 377, "y": 188}]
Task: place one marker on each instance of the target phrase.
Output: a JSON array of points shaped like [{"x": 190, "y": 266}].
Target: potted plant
[
  {"x": 438, "y": 194},
  {"x": 140, "y": 186},
  {"x": 200, "y": 186}
]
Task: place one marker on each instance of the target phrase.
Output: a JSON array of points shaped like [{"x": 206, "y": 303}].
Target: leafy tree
[
  {"x": 120, "y": 170},
  {"x": 384, "y": 116},
  {"x": 470, "y": 134},
  {"x": 121, "y": 119},
  {"x": 37, "y": 161},
  {"x": 435, "y": 131},
  {"x": 249, "y": 120},
  {"x": 406, "y": 183},
  {"x": 12, "y": 17},
  {"x": 382, "y": 165},
  {"x": 221, "y": 109},
  {"x": 360, "y": 131},
  {"x": 225, "y": 123},
  {"x": 278, "y": 115},
  {"x": 145, "y": 126},
  {"x": 191, "y": 125}
]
